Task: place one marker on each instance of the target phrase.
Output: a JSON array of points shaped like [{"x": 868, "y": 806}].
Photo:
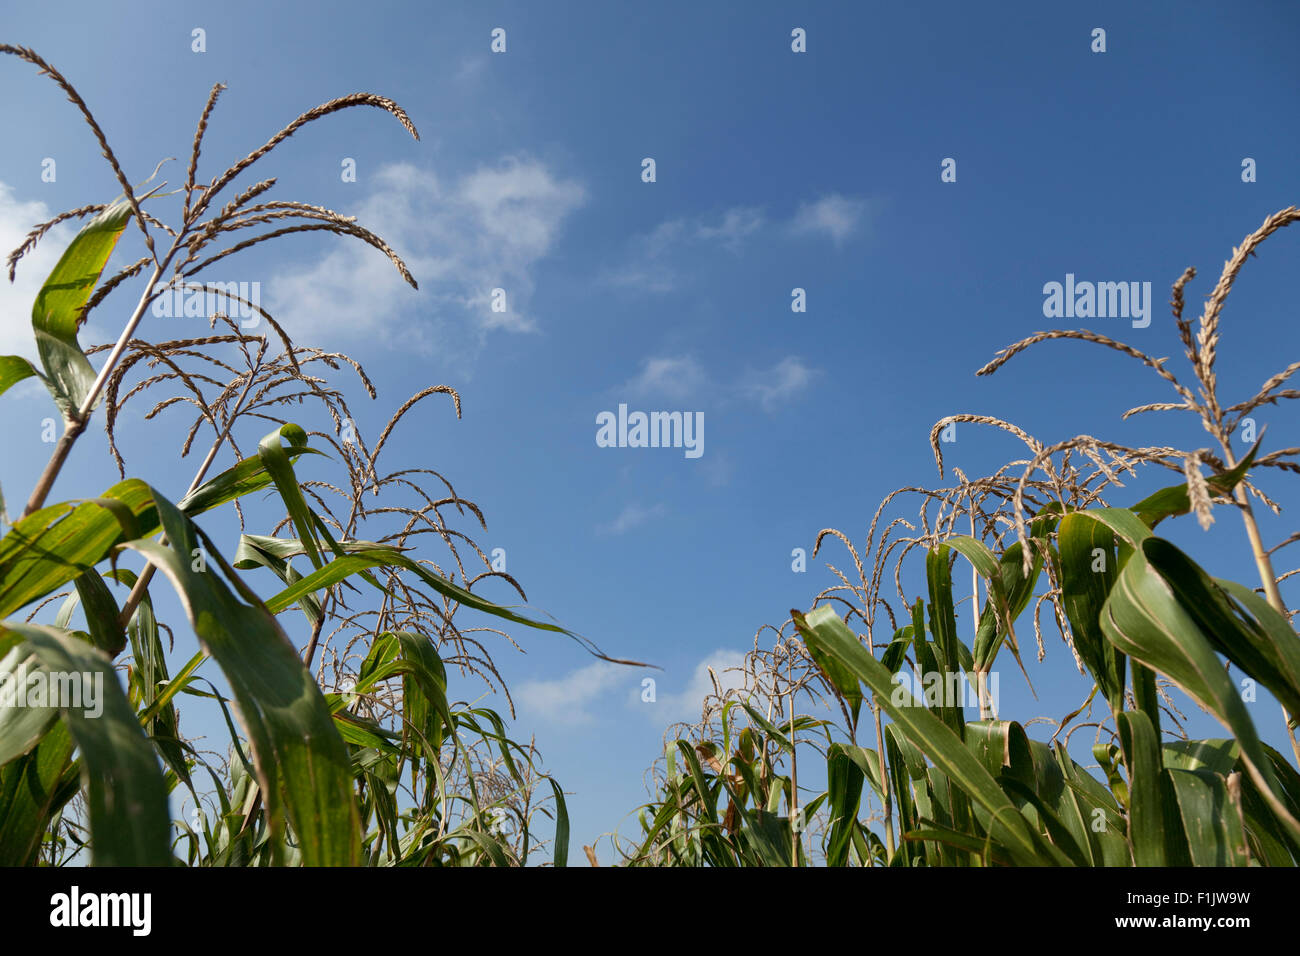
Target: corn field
[{"x": 363, "y": 747}]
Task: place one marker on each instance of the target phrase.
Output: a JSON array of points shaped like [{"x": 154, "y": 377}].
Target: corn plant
[
  {"x": 349, "y": 750},
  {"x": 1139, "y": 616}
]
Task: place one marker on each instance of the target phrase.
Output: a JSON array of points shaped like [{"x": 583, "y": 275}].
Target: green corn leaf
[
  {"x": 770, "y": 729},
  {"x": 1146, "y": 810},
  {"x": 1088, "y": 567},
  {"x": 1248, "y": 631},
  {"x": 1145, "y": 619},
  {"x": 943, "y": 625},
  {"x": 896, "y": 653},
  {"x": 424, "y": 692},
  {"x": 160, "y": 720},
  {"x": 1060, "y": 834},
  {"x": 840, "y": 679},
  {"x": 706, "y": 796},
  {"x": 59, "y": 543},
  {"x": 560, "y": 856},
  {"x": 302, "y": 765},
  {"x": 1211, "y": 823},
  {"x": 1003, "y": 749},
  {"x": 844, "y": 778},
  {"x": 1269, "y": 839},
  {"x": 57, "y": 311},
  {"x": 125, "y": 795},
  {"x": 256, "y": 551},
  {"x": 1217, "y": 755},
  {"x": 969, "y": 843},
  {"x": 275, "y": 459},
  {"x": 13, "y": 369},
  {"x": 943, "y": 620},
  {"x": 384, "y": 556},
  {"x": 1017, "y": 588},
  {"x": 1088, "y": 810},
  {"x": 767, "y": 836},
  {"x": 1174, "y": 500},
  {"x": 245, "y": 476},
  {"x": 21, "y": 727},
  {"x": 31, "y": 792},
  {"x": 938, "y": 742},
  {"x": 102, "y": 614}
]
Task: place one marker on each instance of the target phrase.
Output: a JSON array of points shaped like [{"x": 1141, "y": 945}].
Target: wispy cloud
[
  {"x": 771, "y": 387},
  {"x": 632, "y": 516},
  {"x": 835, "y": 216},
  {"x": 674, "y": 377},
  {"x": 737, "y": 223},
  {"x": 732, "y": 226},
  {"x": 650, "y": 265},
  {"x": 471, "y": 69},
  {"x": 657, "y": 260},
  {"x": 488, "y": 230},
  {"x": 645, "y": 277},
  {"x": 683, "y": 378}
]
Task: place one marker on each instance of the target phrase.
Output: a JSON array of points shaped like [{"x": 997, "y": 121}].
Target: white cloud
[
  {"x": 16, "y": 220},
  {"x": 835, "y": 216},
  {"x": 632, "y": 516},
  {"x": 564, "y": 701},
  {"x": 674, "y": 377},
  {"x": 570, "y": 699},
  {"x": 490, "y": 229},
  {"x": 686, "y": 705},
  {"x": 781, "y": 382}
]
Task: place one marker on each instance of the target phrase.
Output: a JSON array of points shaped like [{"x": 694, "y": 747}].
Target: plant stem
[
  {"x": 71, "y": 432},
  {"x": 1264, "y": 563},
  {"x": 975, "y": 614},
  {"x": 794, "y": 782},
  {"x": 884, "y": 783}
]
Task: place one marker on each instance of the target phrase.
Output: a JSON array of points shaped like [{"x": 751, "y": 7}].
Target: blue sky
[{"x": 775, "y": 170}]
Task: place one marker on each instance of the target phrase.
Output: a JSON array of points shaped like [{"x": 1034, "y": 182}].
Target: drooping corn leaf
[
  {"x": 245, "y": 476},
  {"x": 348, "y": 564}
]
